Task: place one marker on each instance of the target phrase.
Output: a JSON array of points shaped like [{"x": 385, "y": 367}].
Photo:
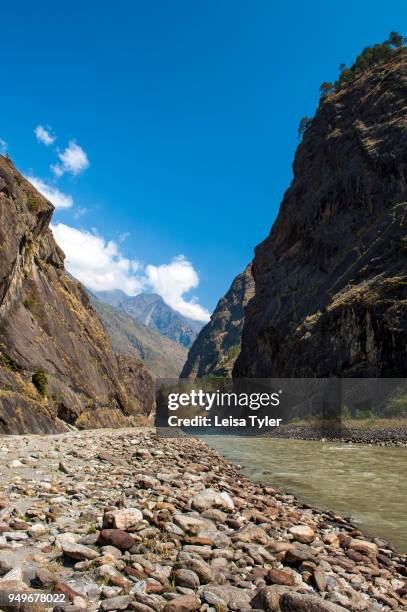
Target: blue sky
[{"x": 187, "y": 114}]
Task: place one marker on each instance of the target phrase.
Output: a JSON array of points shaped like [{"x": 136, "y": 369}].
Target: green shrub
[
  {"x": 40, "y": 381},
  {"x": 32, "y": 203},
  {"x": 345, "y": 76},
  {"x": 363, "y": 414},
  {"x": 368, "y": 58},
  {"x": 233, "y": 352},
  {"x": 29, "y": 302},
  {"x": 371, "y": 56},
  {"x": 304, "y": 125},
  {"x": 396, "y": 407},
  {"x": 325, "y": 89},
  {"x": 396, "y": 40},
  {"x": 7, "y": 362}
]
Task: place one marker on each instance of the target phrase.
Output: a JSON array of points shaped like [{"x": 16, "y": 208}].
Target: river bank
[
  {"x": 355, "y": 480},
  {"x": 121, "y": 519},
  {"x": 383, "y": 434}
]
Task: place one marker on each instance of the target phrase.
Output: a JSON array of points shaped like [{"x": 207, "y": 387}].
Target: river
[{"x": 366, "y": 483}]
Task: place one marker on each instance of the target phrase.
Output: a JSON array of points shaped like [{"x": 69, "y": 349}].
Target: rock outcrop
[
  {"x": 331, "y": 283},
  {"x": 218, "y": 343},
  {"x": 57, "y": 366}
]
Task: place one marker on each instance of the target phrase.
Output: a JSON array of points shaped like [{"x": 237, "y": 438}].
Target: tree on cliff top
[
  {"x": 370, "y": 56},
  {"x": 396, "y": 40},
  {"x": 305, "y": 122}
]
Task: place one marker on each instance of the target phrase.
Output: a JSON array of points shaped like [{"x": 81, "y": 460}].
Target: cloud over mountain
[
  {"x": 52, "y": 193},
  {"x": 99, "y": 264},
  {"x": 172, "y": 281}
]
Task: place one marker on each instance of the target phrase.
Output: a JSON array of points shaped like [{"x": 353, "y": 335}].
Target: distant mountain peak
[
  {"x": 161, "y": 355},
  {"x": 151, "y": 310}
]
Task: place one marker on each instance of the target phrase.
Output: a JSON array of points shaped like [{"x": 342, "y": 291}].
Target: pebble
[
  {"x": 122, "y": 519},
  {"x": 116, "y": 603},
  {"x": 125, "y": 518},
  {"x": 209, "y": 498},
  {"x": 186, "y": 578},
  {"x": 302, "y": 533},
  {"x": 78, "y": 551},
  {"x": 116, "y": 537}
]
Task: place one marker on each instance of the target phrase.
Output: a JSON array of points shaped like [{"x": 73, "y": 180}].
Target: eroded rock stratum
[{"x": 57, "y": 366}]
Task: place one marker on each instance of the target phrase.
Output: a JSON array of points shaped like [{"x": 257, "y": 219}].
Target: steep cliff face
[
  {"x": 331, "y": 284},
  {"x": 218, "y": 344},
  {"x": 56, "y": 362}
]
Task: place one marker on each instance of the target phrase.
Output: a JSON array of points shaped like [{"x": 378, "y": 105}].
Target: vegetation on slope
[{"x": 367, "y": 59}]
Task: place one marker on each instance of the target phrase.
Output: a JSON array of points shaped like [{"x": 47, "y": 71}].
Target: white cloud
[
  {"x": 73, "y": 160},
  {"x": 44, "y": 135},
  {"x": 79, "y": 212},
  {"x": 100, "y": 265},
  {"x": 172, "y": 281},
  {"x": 122, "y": 237},
  {"x": 3, "y": 146},
  {"x": 52, "y": 193}
]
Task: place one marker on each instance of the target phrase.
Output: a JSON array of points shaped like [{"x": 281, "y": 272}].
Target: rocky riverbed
[
  {"x": 384, "y": 436},
  {"x": 122, "y": 519}
]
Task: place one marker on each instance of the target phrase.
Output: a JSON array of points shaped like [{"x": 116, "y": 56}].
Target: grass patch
[
  {"x": 33, "y": 204},
  {"x": 55, "y": 566},
  {"x": 8, "y": 363},
  {"x": 29, "y": 303},
  {"x": 171, "y": 583},
  {"x": 40, "y": 381}
]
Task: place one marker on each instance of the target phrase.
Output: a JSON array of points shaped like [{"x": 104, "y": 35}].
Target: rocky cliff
[
  {"x": 331, "y": 283},
  {"x": 56, "y": 362},
  {"x": 218, "y": 343}
]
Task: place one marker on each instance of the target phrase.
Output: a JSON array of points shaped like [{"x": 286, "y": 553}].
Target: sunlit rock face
[{"x": 57, "y": 366}]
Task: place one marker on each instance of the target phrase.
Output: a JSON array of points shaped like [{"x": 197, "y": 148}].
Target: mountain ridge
[
  {"x": 162, "y": 356},
  {"x": 152, "y": 310}
]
